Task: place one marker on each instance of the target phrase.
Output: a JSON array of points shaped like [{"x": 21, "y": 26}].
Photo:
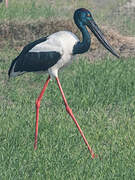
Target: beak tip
[{"x": 118, "y": 56}]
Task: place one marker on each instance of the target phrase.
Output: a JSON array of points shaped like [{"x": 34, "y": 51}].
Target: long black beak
[{"x": 97, "y": 32}]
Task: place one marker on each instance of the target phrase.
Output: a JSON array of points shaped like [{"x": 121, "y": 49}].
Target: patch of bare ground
[{"x": 18, "y": 34}]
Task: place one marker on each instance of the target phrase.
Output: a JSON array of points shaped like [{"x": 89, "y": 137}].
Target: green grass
[
  {"x": 33, "y": 9},
  {"x": 102, "y": 97},
  {"x": 25, "y": 10},
  {"x": 105, "y": 13}
]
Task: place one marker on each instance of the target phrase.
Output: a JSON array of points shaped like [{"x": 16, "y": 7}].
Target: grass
[
  {"x": 35, "y": 9},
  {"x": 32, "y": 9},
  {"x": 105, "y": 13},
  {"x": 25, "y": 10},
  {"x": 102, "y": 97}
]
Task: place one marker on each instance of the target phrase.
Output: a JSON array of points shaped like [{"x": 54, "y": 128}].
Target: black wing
[
  {"x": 34, "y": 61},
  {"x": 29, "y": 46}
]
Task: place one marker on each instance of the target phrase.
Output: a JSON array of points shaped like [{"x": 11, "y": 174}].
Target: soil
[{"x": 19, "y": 34}]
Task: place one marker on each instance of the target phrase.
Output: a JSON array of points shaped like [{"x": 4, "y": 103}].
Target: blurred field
[
  {"x": 112, "y": 12},
  {"x": 35, "y": 19},
  {"x": 100, "y": 93}
]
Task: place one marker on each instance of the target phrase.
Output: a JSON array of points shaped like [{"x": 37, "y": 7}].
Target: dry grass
[
  {"x": 17, "y": 34},
  {"x": 109, "y": 14}
]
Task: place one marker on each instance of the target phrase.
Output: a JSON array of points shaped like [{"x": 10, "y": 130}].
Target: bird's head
[{"x": 83, "y": 17}]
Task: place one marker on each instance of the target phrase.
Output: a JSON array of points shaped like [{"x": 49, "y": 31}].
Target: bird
[{"x": 52, "y": 53}]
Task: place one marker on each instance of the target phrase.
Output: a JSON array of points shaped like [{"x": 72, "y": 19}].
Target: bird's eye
[{"x": 88, "y": 15}]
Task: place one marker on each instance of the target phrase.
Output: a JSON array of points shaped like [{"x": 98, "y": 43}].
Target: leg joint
[
  {"x": 68, "y": 109},
  {"x": 37, "y": 103}
]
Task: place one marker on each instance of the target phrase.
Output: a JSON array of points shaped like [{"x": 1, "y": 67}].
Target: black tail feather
[{"x": 11, "y": 67}]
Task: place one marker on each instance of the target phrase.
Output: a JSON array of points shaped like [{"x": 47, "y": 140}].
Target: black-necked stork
[{"x": 53, "y": 52}]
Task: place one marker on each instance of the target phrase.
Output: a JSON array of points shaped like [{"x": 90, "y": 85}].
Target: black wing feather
[
  {"x": 34, "y": 61},
  {"x": 37, "y": 61},
  {"x": 29, "y": 46}
]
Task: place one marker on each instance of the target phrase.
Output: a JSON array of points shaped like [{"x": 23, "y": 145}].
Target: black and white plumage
[
  {"x": 57, "y": 50},
  {"x": 50, "y": 53},
  {"x": 53, "y": 52}
]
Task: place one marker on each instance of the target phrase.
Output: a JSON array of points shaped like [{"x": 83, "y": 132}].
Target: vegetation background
[{"x": 100, "y": 90}]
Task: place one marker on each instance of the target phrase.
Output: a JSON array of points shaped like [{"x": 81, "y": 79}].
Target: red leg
[
  {"x": 69, "y": 110},
  {"x": 37, "y": 110}
]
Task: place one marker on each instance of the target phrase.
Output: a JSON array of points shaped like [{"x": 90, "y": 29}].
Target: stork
[{"x": 54, "y": 52}]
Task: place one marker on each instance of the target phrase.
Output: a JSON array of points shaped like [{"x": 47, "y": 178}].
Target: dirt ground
[{"x": 19, "y": 34}]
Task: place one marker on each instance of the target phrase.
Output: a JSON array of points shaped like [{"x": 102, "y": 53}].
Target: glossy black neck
[{"x": 82, "y": 47}]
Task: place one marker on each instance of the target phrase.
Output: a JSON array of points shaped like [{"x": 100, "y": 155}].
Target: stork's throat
[{"x": 82, "y": 47}]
